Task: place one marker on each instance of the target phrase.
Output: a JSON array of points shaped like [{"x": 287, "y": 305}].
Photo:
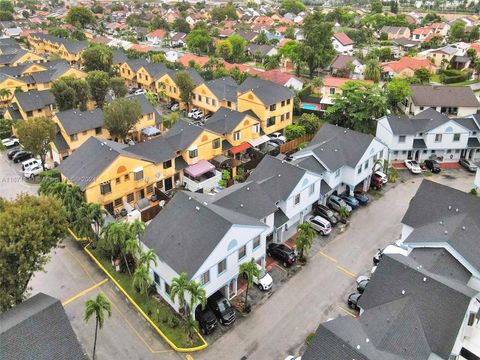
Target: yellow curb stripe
[
  {"x": 86, "y": 291},
  {"x": 347, "y": 311},
  {"x": 342, "y": 269},
  {"x": 170, "y": 342},
  {"x": 332, "y": 259},
  {"x": 75, "y": 235}
]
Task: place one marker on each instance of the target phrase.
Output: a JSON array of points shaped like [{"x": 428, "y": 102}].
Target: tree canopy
[
  {"x": 36, "y": 136},
  {"x": 185, "y": 84},
  {"x": 292, "y": 6},
  {"x": 199, "y": 41},
  {"x": 121, "y": 116},
  {"x": 99, "y": 82},
  {"x": 98, "y": 57},
  {"x": 80, "y": 16},
  {"x": 70, "y": 93}
]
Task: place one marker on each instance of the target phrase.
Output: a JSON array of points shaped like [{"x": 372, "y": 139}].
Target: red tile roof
[
  {"x": 343, "y": 39},
  {"x": 200, "y": 60},
  {"x": 276, "y": 76},
  {"x": 140, "y": 48},
  {"x": 332, "y": 81},
  {"x": 160, "y": 33},
  {"x": 407, "y": 63}
]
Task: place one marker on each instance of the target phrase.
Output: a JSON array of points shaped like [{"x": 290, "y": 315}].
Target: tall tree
[
  {"x": 30, "y": 227},
  {"x": 376, "y": 7},
  {"x": 310, "y": 122},
  {"x": 65, "y": 96},
  {"x": 304, "y": 240},
  {"x": 249, "y": 270},
  {"x": 199, "y": 41},
  {"x": 147, "y": 257},
  {"x": 141, "y": 279},
  {"x": 36, "y": 136},
  {"x": 397, "y": 91},
  {"x": 117, "y": 84},
  {"x": 121, "y": 116},
  {"x": 317, "y": 50},
  {"x": 99, "y": 82},
  {"x": 224, "y": 49},
  {"x": 186, "y": 85},
  {"x": 423, "y": 75},
  {"x": 457, "y": 31},
  {"x": 98, "y": 308},
  {"x": 197, "y": 295},
  {"x": 98, "y": 57},
  {"x": 372, "y": 71},
  {"x": 238, "y": 47},
  {"x": 114, "y": 239},
  {"x": 80, "y": 16},
  {"x": 179, "y": 289},
  {"x": 292, "y": 6},
  {"x": 6, "y": 5}
]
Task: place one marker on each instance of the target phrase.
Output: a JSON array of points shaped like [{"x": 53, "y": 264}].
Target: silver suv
[{"x": 336, "y": 203}]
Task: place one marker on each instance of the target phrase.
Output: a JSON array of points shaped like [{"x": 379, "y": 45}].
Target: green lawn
[
  {"x": 159, "y": 312},
  {"x": 468, "y": 82}
]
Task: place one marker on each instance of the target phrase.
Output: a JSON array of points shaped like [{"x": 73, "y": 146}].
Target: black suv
[
  {"x": 282, "y": 253},
  {"x": 432, "y": 165},
  {"x": 13, "y": 152},
  {"x": 222, "y": 308},
  {"x": 206, "y": 320},
  {"x": 22, "y": 156},
  {"x": 326, "y": 213}
]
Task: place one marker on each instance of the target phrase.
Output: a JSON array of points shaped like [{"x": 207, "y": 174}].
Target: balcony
[{"x": 201, "y": 177}]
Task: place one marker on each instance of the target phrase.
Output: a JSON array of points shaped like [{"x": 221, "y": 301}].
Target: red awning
[{"x": 242, "y": 147}]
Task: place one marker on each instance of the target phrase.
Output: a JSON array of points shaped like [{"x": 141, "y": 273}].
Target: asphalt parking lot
[{"x": 12, "y": 181}]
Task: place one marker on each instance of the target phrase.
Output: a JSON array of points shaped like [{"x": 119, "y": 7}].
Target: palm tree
[
  {"x": 96, "y": 213},
  {"x": 137, "y": 228},
  {"x": 5, "y": 93},
  {"x": 141, "y": 279},
  {"x": 304, "y": 240},
  {"x": 178, "y": 289},
  {"x": 147, "y": 257},
  {"x": 343, "y": 212},
  {"x": 197, "y": 295},
  {"x": 132, "y": 247},
  {"x": 191, "y": 327},
  {"x": 115, "y": 236},
  {"x": 372, "y": 71},
  {"x": 97, "y": 307},
  {"x": 249, "y": 270}
]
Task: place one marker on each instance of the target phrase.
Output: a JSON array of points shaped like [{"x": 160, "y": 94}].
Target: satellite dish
[{"x": 162, "y": 203}]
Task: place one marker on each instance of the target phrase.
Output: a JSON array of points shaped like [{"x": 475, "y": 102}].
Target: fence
[{"x": 294, "y": 144}]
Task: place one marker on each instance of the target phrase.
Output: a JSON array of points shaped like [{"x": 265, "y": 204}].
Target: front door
[
  {"x": 168, "y": 184},
  {"x": 409, "y": 155}
]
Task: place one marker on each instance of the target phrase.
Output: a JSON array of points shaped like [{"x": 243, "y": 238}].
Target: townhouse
[
  {"x": 19, "y": 56},
  {"x": 211, "y": 95},
  {"x": 128, "y": 70},
  {"x": 430, "y": 134},
  {"x": 48, "y": 44},
  {"x": 342, "y": 43},
  {"x": 271, "y": 103},
  {"x": 167, "y": 88},
  {"x": 442, "y": 56},
  {"x": 345, "y": 159},
  {"x": 31, "y": 104},
  {"x": 148, "y": 74},
  {"x": 451, "y": 100},
  {"x": 282, "y": 78},
  {"x": 395, "y": 32}
]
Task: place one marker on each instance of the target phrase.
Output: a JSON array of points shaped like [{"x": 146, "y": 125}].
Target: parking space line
[
  {"x": 332, "y": 259},
  {"x": 86, "y": 291},
  {"x": 281, "y": 268},
  {"x": 348, "y": 312},
  {"x": 348, "y": 272}
]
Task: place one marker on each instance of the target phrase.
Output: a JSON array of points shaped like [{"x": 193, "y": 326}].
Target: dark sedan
[
  {"x": 432, "y": 165},
  {"x": 11, "y": 153},
  {"x": 361, "y": 197},
  {"x": 325, "y": 212},
  {"x": 282, "y": 253},
  {"x": 22, "y": 156}
]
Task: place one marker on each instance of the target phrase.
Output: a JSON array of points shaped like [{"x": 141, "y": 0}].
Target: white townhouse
[
  {"x": 344, "y": 158},
  {"x": 342, "y": 43},
  {"x": 450, "y": 100},
  {"x": 430, "y": 135}
]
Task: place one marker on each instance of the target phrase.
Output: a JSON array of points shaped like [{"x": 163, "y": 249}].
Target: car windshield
[
  {"x": 414, "y": 162},
  {"x": 223, "y": 305},
  {"x": 261, "y": 273}
]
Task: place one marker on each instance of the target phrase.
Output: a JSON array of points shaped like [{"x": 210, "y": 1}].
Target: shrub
[
  {"x": 309, "y": 338},
  {"x": 474, "y": 192},
  {"x": 172, "y": 321},
  {"x": 50, "y": 174},
  {"x": 294, "y": 131}
]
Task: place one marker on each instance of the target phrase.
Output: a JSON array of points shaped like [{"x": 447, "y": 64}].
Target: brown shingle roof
[{"x": 447, "y": 96}]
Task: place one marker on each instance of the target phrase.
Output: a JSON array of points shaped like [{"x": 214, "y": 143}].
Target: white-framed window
[
  {"x": 312, "y": 189},
  {"x": 366, "y": 165},
  {"x": 138, "y": 174},
  {"x": 205, "y": 277},
  {"x": 237, "y": 135},
  {"x": 402, "y": 138},
  {"x": 242, "y": 252},
  {"x": 222, "y": 266},
  {"x": 192, "y": 154},
  {"x": 438, "y": 137},
  {"x": 256, "y": 242},
  {"x": 359, "y": 170},
  {"x": 297, "y": 199},
  {"x": 256, "y": 128},
  {"x": 456, "y": 137}
]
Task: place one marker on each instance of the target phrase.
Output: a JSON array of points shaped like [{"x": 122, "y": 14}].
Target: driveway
[
  {"x": 319, "y": 291},
  {"x": 12, "y": 181}
]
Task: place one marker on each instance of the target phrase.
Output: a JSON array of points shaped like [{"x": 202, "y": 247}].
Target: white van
[{"x": 27, "y": 164}]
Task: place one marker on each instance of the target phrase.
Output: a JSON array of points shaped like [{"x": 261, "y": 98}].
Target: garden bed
[{"x": 159, "y": 312}]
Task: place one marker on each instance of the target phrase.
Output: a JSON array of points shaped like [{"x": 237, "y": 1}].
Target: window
[
  {"x": 214, "y": 102},
  {"x": 229, "y": 103},
  {"x": 167, "y": 288},
  {"x": 216, "y": 143},
  {"x": 271, "y": 121},
  {"x": 395, "y": 152},
  {"x": 192, "y": 154},
  {"x": 366, "y": 165},
  {"x": 149, "y": 189},
  {"x": 236, "y": 135},
  {"x": 438, "y": 137},
  {"x": 98, "y": 130},
  {"x": 256, "y": 128},
  {"x": 74, "y": 137},
  {"x": 156, "y": 278},
  {"x": 167, "y": 164},
  {"x": 449, "y": 151},
  {"x": 282, "y": 117},
  {"x": 297, "y": 199},
  {"x": 126, "y": 177},
  {"x": 256, "y": 242},
  {"x": 273, "y": 107},
  {"x": 456, "y": 137},
  {"x": 287, "y": 115},
  {"x": 138, "y": 175},
  {"x": 222, "y": 266},
  {"x": 105, "y": 188},
  {"x": 207, "y": 100},
  {"x": 359, "y": 170},
  {"x": 118, "y": 180},
  {"x": 402, "y": 138},
  {"x": 312, "y": 189},
  {"x": 130, "y": 198},
  {"x": 84, "y": 132},
  {"x": 118, "y": 202},
  {"x": 242, "y": 252},
  {"x": 205, "y": 277},
  {"x": 283, "y": 103},
  {"x": 199, "y": 97},
  {"x": 332, "y": 91},
  {"x": 288, "y": 101}
]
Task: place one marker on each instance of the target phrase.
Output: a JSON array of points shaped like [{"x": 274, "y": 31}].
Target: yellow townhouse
[
  {"x": 129, "y": 68},
  {"x": 271, "y": 103},
  {"x": 147, "y": 75},
  {"x": 68, "y": 50},
  {"x": 19, "y": 56},
  {"x": 212, "y": 95},
  {"x": 31, "y": 104},
  {"x": 168, "y": 90}
]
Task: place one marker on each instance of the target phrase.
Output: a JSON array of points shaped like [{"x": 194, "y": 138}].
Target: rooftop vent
[
  {"x": 205, "y": 203},
  {"x": 197, "y": 208},
  {"x": 441, "y": 222},
  {"x": 248, "y": 188},
  {"x": 403, "y": 292},
  {"x": 464, "y": 228},
  {"x": 446, "y": 232},
  {"x": 424, "y": 279},
  {"x": 189, "y": 198},
  {"x": 241, "y": 205},
  {"x": 449, "y": 207}
]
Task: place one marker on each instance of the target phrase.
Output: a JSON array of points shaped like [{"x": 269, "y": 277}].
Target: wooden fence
[{"x": 294, "y": 144}]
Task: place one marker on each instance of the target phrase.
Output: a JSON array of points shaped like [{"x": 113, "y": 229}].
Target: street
[{"x": 278, "y": 326}]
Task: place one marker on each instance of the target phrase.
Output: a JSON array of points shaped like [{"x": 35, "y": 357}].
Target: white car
[
  {"x": 413, "y": 166},
  {"x": 320, "y": 224},
  {"x": 291, "y": 357},
  {"x": 264, "y": 281},
  {"x": 382, "y": 176},
  {"x": 139, "y": 92},
  {"x": 279, "y": 136},
  {"x": 10, "y": 142},
  {"x": 198, "y": 115},
  {"x": 193, "y": 112},
  {"x": 175, "y": 107},
  {"x": 27, "y": 164},
  {"x": 32, "y": 171}
]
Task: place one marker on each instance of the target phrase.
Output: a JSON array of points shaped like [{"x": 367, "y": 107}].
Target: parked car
[
  {"x": 198, "y": 115},
  {"x": 361, "y": 197},
  {"x": 26, "y": 165},
  {"x": 432, "y": 165},
  {"x": 353, "y": 301},
  {"x": 222, "y": 308},
  {"x": 413, "y": 166},
  {"x": 320, "y": 224},
  {"x": 13, "y": 152},
  {"x": 278, "y": 136},
  {"x": 22, "y": 156},
  {"x": 350, "y": 200},
  {"x": 282, "y": 253},
  {"x": 175, "y": 106},
  {"x": 129, "y": 142},
  {"x": 467, "y": 164},
  {"x": 264, "y": 280},
  {"x": 336, "y": 203},
  {"x": 326, "y": 213},
  {"x": 273, "y": 145},
  {"x": 206, "y": 320},
  {"x": 10, "y": 142},
  {"x": 276, "y": 141},
  {"x": 32, "y": 171},
  {"x": 376, "y": 182},
  {"x": 193, "y": 112},
  {"x": 139, "y": 92},
  {"x": 382, "y": 176},
  {"x": 362, "y": 282}
]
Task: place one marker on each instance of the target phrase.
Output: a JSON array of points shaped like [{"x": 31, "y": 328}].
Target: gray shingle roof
[
  {"x": 445, "y": 96},
  {"x": 434, "y": 203},
  {"x": 224, "y": 120},
  {"x": 197, "y": 79},
  {"x": 34, "y": 100},
  {"x": 136, "y": 64},
  {"x": 473, "y": 142},
  {"x": 38, "y": 329},
  {"x": 179, "y": 234},
  {"x": 75, "y": 121},
  {"x": 146, "y": 106},
  {"x": 72, "y": 46},
  {"x": 424, "y": 121},
  {"x": 268, "y": 92},
  {"x": 469, "y": 123},
  {"x": 60, "y": 142},
  {"x": 223, "y": 88}
]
